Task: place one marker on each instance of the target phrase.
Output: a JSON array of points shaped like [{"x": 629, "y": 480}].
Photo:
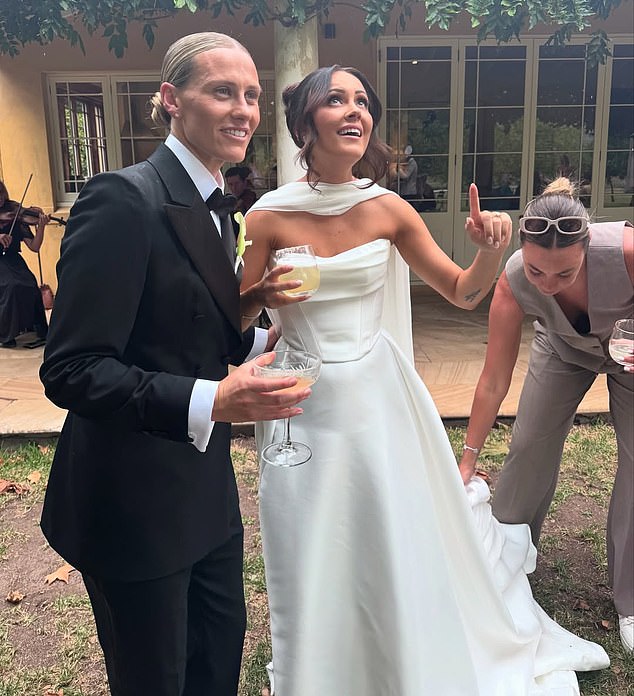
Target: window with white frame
[
  {"x": 101, "y": 122},
  {"x": 522, "y": 115}
]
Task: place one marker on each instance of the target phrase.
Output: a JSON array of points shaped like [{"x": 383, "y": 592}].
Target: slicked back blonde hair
[{"x": 178, "y": 65}]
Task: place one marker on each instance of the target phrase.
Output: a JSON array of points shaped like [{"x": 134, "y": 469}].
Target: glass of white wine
[
  {"x": 305, "y": 268},
  {"x": 290, "y": 363},
  {"x": 622, "y": 341}
]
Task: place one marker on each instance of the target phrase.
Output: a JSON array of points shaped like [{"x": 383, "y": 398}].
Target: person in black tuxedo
[{"x": 142, "y": 497}]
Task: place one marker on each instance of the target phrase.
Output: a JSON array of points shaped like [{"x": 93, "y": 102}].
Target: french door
[{"x": 510, "y": 118}]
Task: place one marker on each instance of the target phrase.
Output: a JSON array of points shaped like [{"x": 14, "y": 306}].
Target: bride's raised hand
[{"x": 489, "y": 231}]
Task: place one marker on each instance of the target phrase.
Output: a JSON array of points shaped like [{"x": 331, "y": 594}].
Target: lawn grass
[{"x": 48, "y": 641}]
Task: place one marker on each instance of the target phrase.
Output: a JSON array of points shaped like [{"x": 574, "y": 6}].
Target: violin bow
[{"x": 17, "y": 215}]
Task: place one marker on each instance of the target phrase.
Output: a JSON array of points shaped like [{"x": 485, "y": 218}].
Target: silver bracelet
[{"x": 466, "y": 448}]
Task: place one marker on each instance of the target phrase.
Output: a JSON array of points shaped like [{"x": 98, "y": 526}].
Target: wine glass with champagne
[
  {"x": 622, "y": 341},
  {"x": 305, "y": 367},
  {"x": 305, "y": 268}
]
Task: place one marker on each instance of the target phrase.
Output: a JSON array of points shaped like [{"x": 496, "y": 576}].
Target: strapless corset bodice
[{"x": 342, "y": 320}]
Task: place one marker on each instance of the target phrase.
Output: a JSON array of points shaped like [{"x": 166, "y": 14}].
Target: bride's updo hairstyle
[
  {"x": 179, "y": 67},
  {"x": 558, "y": 200},
  {"x": 302, "y": 99}
]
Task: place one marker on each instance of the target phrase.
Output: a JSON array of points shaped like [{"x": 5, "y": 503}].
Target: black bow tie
[{"x": 221, "y": 203}]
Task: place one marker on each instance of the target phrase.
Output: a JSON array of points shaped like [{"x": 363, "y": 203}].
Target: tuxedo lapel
[{"x": 196, "y": 231}]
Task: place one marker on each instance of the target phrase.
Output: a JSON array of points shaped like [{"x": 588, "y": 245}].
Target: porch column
[{"x": 296, "y": 54}]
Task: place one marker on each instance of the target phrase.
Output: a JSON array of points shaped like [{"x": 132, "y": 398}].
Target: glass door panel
[
  {"x": 493, "y": 126},
  {"x": 564, "y": 118},
  {"x": 418, "y": 87},
  {"x": 619, "y": 172}
]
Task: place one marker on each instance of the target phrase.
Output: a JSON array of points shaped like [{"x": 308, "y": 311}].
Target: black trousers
[{"x": 180, "y": 635}]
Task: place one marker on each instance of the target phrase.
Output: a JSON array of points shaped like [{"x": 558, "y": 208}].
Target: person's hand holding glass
[
  {"x": 621, "y": 344},
  {"x": 305, "y": 367},
  {"x": 293, "y": 277},
  {"x": 302, "y": 259}
]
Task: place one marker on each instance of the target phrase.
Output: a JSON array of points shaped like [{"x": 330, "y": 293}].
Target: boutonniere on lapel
[{"x": 241, "y": 239}]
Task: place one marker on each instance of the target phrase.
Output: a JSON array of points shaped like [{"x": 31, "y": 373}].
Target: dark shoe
[
  {"x": 9, "y": 344},
  {"x": 35, "y": 343}
]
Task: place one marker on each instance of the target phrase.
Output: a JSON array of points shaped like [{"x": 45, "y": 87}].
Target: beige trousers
[{"x": 548, "y": 403}]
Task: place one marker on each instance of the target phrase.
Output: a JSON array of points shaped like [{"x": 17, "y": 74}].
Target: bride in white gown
[{"x": 383, "y": 577}]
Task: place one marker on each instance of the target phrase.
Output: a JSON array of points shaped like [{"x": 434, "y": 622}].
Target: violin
[{"x": 27, "y": 216}]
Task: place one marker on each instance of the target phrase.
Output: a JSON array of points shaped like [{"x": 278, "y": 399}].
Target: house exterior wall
[{"x": 26, "y": 143}]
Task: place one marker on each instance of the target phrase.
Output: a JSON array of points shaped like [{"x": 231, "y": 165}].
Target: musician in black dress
[{"x": 21, "y": 306}]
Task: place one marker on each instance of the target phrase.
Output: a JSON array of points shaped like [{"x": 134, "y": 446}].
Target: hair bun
[{"x": 561, "y": 186}]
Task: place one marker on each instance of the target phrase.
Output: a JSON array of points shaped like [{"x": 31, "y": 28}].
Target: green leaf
[
  {"x": 23, "y": 22},
  {"x": 148, "y": 34}
]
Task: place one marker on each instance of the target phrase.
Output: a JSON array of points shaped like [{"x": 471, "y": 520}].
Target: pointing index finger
[{"x": 474, "y": 203}]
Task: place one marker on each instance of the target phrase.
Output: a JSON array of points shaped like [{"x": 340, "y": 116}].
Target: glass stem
[{"x": 286, "y": 442}]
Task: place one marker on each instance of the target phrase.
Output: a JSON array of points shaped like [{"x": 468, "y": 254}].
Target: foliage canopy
[{"x": 25, "y": 22}]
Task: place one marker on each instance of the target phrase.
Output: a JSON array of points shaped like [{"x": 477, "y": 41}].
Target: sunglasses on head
[{"x": 571, "y": 224}]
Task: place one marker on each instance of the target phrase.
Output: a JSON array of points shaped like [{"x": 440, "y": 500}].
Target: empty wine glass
[
  {"x": 622, "y": 341},
  {"x": 304, "y": 262},
  {"x": 290, "y": 363}
]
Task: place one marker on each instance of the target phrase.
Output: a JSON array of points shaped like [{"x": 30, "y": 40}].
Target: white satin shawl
[{"x": 337, "y": 199}]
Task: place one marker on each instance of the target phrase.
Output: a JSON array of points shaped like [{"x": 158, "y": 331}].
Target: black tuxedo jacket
[{"x": 147, "y": 302}]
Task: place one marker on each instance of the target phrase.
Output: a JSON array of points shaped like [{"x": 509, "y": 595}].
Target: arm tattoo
[{"x": 472, "y": 295}]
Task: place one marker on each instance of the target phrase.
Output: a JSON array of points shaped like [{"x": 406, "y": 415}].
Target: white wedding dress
[{"x": 384, "y": 578}]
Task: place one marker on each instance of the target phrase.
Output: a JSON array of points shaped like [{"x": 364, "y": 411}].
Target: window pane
[
  {"x": 591, "y": 85},
  {"x": 470, "y": 83},
  {"x": 624, "y": 51},
  {"x": 425, "y": 84},
  {"x": 433, "y": 181},
  {"x": 498, "y": 179},
  {"x": 564, "y": 128},
  {"x": 550, "y": 165},
  {"x": 493, "y": 130},
  {"x": 428, "y": 131},
  {"x": 393, "y": 85},
  {"x": 501, "y": 83},
  {"x": 585, "y": 180},
  {"x": 619, "y": 189},
  {"x": 126, "y": 153},
  {"x": 422, "y": 181},
  {"x": 622, "y": 82},
  {"x": 468, "y": 173},
  {"x": 619, "y": 171},
  {"x": 620, "y": 127},
  {"x": 82, "y": 141},
  {"x": 139, "y": 136},
  {"x": 561, "y": 82}
]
